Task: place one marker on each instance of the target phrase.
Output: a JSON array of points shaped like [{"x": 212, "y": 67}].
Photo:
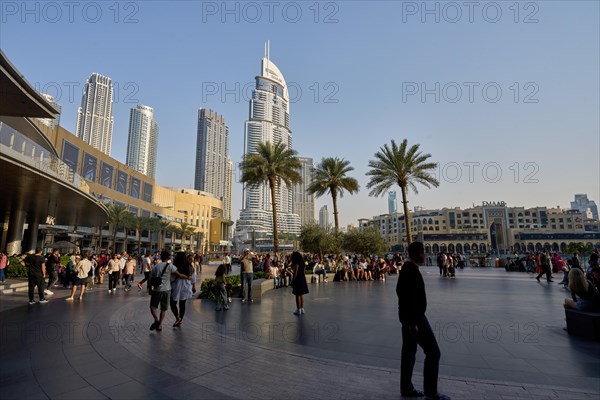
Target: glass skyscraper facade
[
  {"x": 143, "y": 140},
  {"x": 214, "y": 168},
  {"x": 94, "y": 118},
  {"x": 269, "y": 120}
]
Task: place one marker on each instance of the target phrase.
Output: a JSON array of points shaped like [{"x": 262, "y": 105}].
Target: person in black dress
[
  {"x": 299, "y": 286},
  {"x": 412, "y": 303}
]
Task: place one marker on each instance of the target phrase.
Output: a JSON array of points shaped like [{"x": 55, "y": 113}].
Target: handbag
[{"x": 156, "y": 281}]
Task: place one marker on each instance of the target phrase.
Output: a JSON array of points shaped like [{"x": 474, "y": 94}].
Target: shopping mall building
[
  {"x": 56, "y": 186},
  {"x": 492, "y": 227}
]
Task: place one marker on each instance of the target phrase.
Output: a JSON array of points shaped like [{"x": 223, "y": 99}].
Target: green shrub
[
  {"x": 259, "y": 275},
  {"x": 234, "y": 280},
  {"x": 207, "y": 287},
  {"x": 15, "y": 269}
]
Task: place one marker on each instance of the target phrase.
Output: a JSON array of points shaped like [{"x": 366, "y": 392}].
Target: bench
[
  {"x": 584, "y": 324},
  {"x": 260, "y": 286}
]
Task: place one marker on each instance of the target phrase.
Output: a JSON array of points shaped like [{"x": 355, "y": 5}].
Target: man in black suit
[{"x": 412, "y": 303}]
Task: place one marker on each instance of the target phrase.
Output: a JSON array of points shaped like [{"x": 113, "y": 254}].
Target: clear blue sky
[{"x": 361, "y": 68}]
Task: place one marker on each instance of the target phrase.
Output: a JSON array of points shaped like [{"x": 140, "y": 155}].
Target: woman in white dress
[{"x": 182, "y": 289}]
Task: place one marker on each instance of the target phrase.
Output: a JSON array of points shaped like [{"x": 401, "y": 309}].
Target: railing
[{"x": 18, "y": 146}]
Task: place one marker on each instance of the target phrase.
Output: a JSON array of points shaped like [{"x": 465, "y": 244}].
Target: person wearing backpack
[{"x": 160, "y": 288}]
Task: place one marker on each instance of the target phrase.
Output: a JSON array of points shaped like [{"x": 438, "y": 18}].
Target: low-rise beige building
[
  {"x": 490, "y": 227},
  {"x": 111, "y": 181}
]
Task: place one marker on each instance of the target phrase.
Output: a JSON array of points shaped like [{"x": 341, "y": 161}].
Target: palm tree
[
  {"x": 404, "y": 167},
  {"x": 172, "y": 230},
  {"x": 116, "y": 216},
  {"x": 186, "y": 230},
  {"x": 162, "y": 227},
  {"x": 330, "y": 176},
  {"x": 129, "y": 222},
  {"x": 153, "y": 224},
  {"x": 271, "y": 163},
  {"x": 139, "y": 224}
]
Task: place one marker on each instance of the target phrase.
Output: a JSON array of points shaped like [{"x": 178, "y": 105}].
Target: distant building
[
  {"x": 214, "y": 169},
  {"x": 488, "y": 228},
  {"x": 143, "y": 140},
  {"x": 392, "y": 203},
  {"x": 583, "y": 204},
  {"x": 51, "y": 122},
  {"x": 94, "y": 118},
  {"x": 323, "y": 217},
  {"x": 304, "y": 203}
]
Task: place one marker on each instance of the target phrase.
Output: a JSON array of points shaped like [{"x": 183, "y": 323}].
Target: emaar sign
[{"x": 494, "y": 204}]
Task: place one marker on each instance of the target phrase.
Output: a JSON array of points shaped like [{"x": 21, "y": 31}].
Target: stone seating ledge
[
  {"x": 261, "y": 286},
  {"x": 583, "y": 324}
]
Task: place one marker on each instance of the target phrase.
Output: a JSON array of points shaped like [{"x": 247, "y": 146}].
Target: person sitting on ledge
[
  {"x": 319, "y": 269},
  {"x": 580, "y": 287}
]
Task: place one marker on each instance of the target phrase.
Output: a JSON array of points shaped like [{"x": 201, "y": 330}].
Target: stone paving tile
[
  {"x": 22, "y": 390},
  {"x": 131, "y": 390},
  {"x": 197, "y": 361},
  {"x": 108, "y": 379},
  {"x": 87, "y": 393}
]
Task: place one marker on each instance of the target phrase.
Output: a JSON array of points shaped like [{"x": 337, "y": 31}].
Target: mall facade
[
  {"x": 492, "y": 227},
  {"x": 56, "y": 186}
]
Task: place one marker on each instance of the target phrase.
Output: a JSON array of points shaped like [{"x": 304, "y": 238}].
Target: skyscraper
[
  {"x": 94, "y": 117},
  {"x": 392, "y": 203},
  {"x": 213, "y": 169},
  {"x": 304, "y": 203},
  {"x": 582, "y": 203},
  {"x": 323, "y": 217},
  {"x": 51, "y": 122},
  {"x": 143, "y": 140},
  {"x": 269, "y": 120}
]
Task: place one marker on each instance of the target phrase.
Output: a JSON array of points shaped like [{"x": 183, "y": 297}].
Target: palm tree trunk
[
  {"x": 114, "y": 240},
  {"x": 274, "y": 206},
  {"x": 125, "y": 241},
  {"x": 150, "y": 240},
  {"x": 406, "y": 216},
  {"x": 99, "y": 249},
  {"x": 139, "y": 241},
  {"x": 335, "y": 211}
]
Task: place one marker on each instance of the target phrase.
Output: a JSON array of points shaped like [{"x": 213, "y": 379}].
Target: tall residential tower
[
  {"x": 143, "y": 140},
  {"x": 304, "y": 203},
  {"x": 94, "y": 117},
  {"x": 214, "y": 169},
  {"x": 269, "y": 120}
]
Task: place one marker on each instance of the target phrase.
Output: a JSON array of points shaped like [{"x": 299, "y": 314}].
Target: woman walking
[
  {"x": 114, "y": 271},
  {"x": 83, "y": 268},
  {"x": 299, "y": 286},
  {"x": 182, "y": 289},
  {"x": 220, "y": 275}
]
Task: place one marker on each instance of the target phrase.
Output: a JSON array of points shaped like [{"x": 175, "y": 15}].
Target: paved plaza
[{"x": 501, "y": 336}]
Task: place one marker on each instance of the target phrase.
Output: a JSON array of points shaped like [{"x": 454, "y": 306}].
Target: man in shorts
[{"x": 161, "y": 295}]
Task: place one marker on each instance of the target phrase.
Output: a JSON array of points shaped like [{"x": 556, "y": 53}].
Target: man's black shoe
[
  {"x": 412, "y": 393},
  {"x": 438, "y": 396},
  {"x": 153, "y": 326}
]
